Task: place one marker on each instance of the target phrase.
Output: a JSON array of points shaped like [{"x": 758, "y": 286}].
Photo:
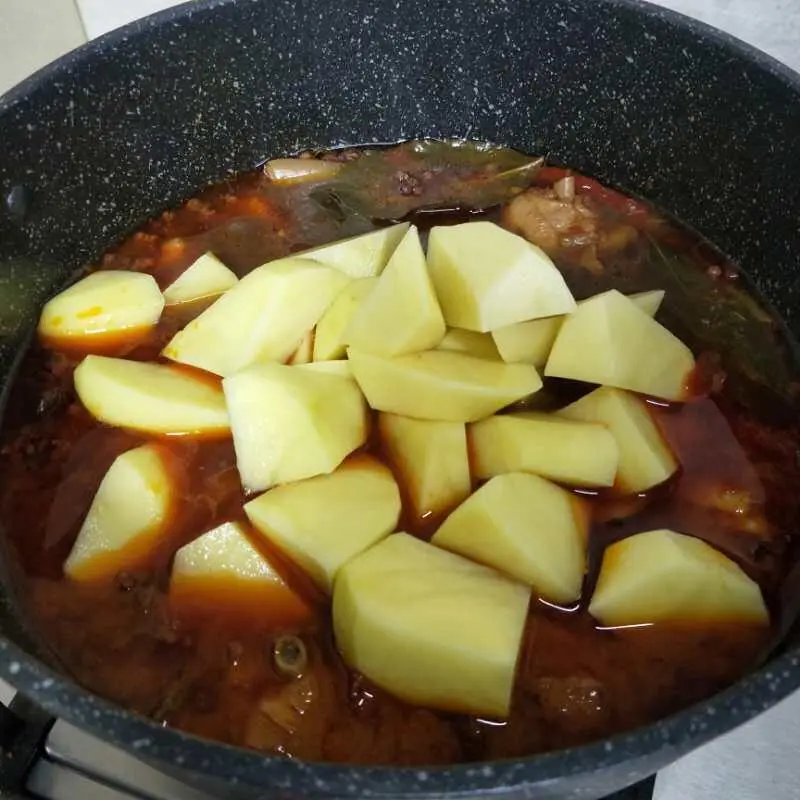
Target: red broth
[{"x": 213, "y": 674}]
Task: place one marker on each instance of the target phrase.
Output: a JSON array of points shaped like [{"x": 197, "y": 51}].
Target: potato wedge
[
  {"x": 645, "y": 458},
  {"x": 205, "y": 278},
  {"x": 470, "y": 343},
  {"x": 441, "y": 385},
  {"x": 574, "y": 453},
  {"x": 104, "y": 309},
  {"x": 153, "y": 398},
  {"x": 650, "y": 301},
  {"x": 130, "y": 512},
  {"x": 609, "y": 340},
  {"x": 322, "y": 523},
  {"x": 330, "y": 342},
  {"x": 525, "y": 527},
  {"x": 304, "y": 352},
  {"x": 486, "y": 277},
  {"x": 401, "y": 314},
  {"x": 530, "y": 342},
  {"x": 664, "y": 576},
  {"x": 430, "y": 627},
  {"x": 431, "y": 459},
  {"x": 291, "y": 423},
  {"x": 221, "y": 572},
  {"x": 339, "y": 367},
  {"x": 262, "y": 318},
  {"x": 361, "y": 256},
  {"x": 527, "y": 342}
]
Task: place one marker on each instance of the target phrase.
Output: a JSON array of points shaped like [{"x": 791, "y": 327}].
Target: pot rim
[{"x": 673, "y": 735}]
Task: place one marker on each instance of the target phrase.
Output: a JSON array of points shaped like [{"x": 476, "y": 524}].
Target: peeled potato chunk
[
  {"x": 221, "y": 571},
  {"x": 575, "y": 453},
  {"x": 291, "y": 423},
  {"x": 127, "y": 517},
  {"x": 664, "y": 576},
  {"x": 106, "y": 307},
  {"x": 154, "y": 398},
  {"x": 525, "y": 527},
  {"x": 401, "y": 314},
  {"x": 645, "y": 459},
  {"x": 339, "y": 367},
  {"x": 471, "y": 343},
  {"x": 431, "y": 459},
  {"x": 262, "y": 318},
  {"x": 206, "y": 277},
  {"x": 609, "y": 340},
  {"x": 441, "y": 385},
  {"x": 530, "y": 342},
  {"x": 527, "y": 342},
  {"x": 432, "y": 628},
  {"x": 486, "y": 277},
  {"x": 361, "y": 256},
  {"x": 323, "y": 522},
  {"x": 330, "y": 341}
]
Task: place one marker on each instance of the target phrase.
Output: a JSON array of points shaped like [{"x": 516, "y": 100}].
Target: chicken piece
[{"x": 555, "y": 224}]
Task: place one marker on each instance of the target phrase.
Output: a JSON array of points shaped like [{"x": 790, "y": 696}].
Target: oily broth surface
[{"x": 214, "y": 676}]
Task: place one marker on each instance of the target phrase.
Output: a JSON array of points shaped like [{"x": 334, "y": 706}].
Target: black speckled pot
[{"x": 640, "y": 97}]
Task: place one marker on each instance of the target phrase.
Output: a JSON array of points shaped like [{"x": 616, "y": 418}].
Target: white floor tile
[
  {"x": 33, "y": 33},
  {"x": 101, "y": 16}
]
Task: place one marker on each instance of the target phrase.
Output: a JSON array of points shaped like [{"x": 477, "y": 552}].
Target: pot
[{"x": 140, "y": 119}]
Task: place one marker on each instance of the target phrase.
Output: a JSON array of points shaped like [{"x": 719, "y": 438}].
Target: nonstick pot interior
[{"x": 634, "y": 95}]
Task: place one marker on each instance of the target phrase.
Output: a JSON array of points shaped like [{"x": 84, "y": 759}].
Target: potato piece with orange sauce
[
  {"x": 205, "y": 278},
  {"x": 665, "y": 576},
  {"x": 154, "y": 398},
  {"x": 130, "y": 511},
  {"x": 223, "y": 572},
  {"x": 102, "y": 310}
]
